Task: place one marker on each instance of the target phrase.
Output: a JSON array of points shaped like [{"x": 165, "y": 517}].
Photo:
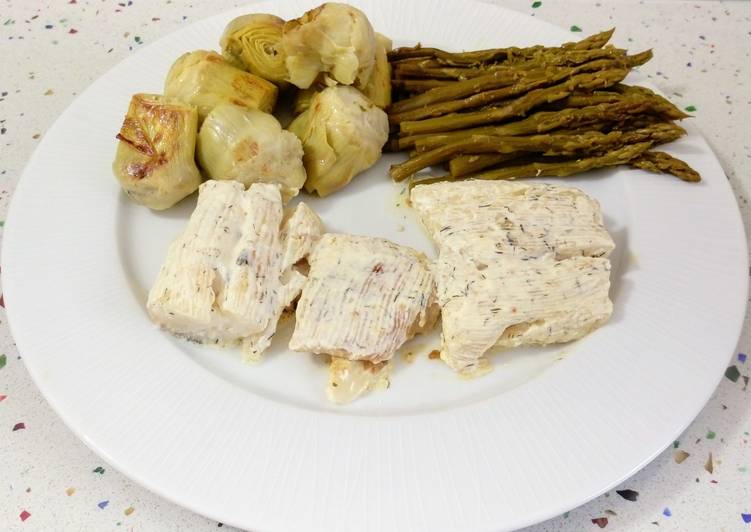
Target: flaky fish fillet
[
  {"x": 518, "y": 264},
  {"x": 363, "y": 299},
  {"x": 231, "y": 274}
]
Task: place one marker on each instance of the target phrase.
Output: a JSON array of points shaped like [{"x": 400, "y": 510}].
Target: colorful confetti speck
[
  {"x": 24, "y": 515},
  {"x": 19, "y": 426},
  {"x": 666, "y": 512},
  {"x": 629, "y": 495},
  {"x": 690, "y": 108},
  {"x": 711, "y": 435},
  {"x": 709, "y": 465},
  {"x": 576, "y": 28},
  {"x": 742, "y": 358},
  {"x": 676, "y": 443},
  {"x": 602, "y": 522},
  {"x": 536, "y": 4},
  {"x": 102, "y": 505},
  {"x": 746, "y": 518},
  {"x": 2, "y": 398},
  {"x": 610, "y": 512},
  {"x": 99, "y": 469},
  {"x": 732, "y": 373},
  {"x": 72, "y": 31},
  {"x": 680, "y": 456},
  {"x": 129, "y": 510},
  {"x": 3, "y": 361}
]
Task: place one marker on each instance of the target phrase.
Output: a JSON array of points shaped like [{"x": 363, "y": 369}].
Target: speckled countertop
[{"x": 51, "y": 51}]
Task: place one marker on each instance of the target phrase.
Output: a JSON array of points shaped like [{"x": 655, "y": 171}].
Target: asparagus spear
[
  {"x": 661, "y": 162},
  {"x": 492, "y": 78},
  {"x": 535, "y": 79},
  {"x": 452, "y": 91},
  {"x": 544, "y": 121},
  {"x": 559, "y": 168},
  {"x": 598, "y": 40},
  {"x": 418, "y": 85},
  {"x": 431, "y": 68},
  {"x": 565, "y": 168},
  {"x": 518, "y": 107},
  {"x": 463, "y": 165},
  {"x": 666, "y": 108},
  {"x": 590, "y": 142},
  {"x": 496, "y": 54}
]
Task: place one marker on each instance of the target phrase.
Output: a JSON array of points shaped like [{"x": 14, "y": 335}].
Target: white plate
[{"x": 259, "y": 447}]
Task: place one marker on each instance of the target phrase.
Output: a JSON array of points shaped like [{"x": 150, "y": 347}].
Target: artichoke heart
[
  {"x": 255, "y": 42},
  {"x": 249, "y": 146},
  {"x": 334, "y": 38},
  {"x": 155, "y": 162},
  {"x": 342, "y": 133},
  {"x": 378, "y": 87},
  {"x": 206, "y": 79}
]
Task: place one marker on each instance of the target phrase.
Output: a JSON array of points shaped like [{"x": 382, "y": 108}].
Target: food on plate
[
  {"x": 349, "y": 379},
  {"x": 446, "y": 100},
  {"x": 661, "y": 162},
  {"x": 154, "y": 162},
  {"x": 518, "y": 264},
  {"x": 230, "y": 275},
  {"x": 255, "y": 43},
  {"x": 363, "y": 299},
  {"x": 342, "y": 133},
  {"x": 303, "y": 97},
  {"x": 550, "y": 145},
  {"x": 250, "y": 146},
  {"x": 206, "y": 80},
  {"x": 378, "y": 87},
  {"x": 336, "y": 39}
]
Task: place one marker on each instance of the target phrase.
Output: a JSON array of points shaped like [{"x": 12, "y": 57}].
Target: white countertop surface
[{"x": 51, "y": 51}]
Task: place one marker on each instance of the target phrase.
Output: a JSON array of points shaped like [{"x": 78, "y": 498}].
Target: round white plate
[{"x": 258, "y": 446}]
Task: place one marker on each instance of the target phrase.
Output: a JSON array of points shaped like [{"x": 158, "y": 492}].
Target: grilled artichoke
[
  {"x": 250, "y": 147},
  {"x": 378, "y": 87},
  {"x": 342, "y": 133},
  {"x": 154, "y": 162},
  {"x": 303, "y": 97},
  {"x": 255, "y": 42},
  {"x": 333, "y": 38},
  {"x": 206, "y": 79}
]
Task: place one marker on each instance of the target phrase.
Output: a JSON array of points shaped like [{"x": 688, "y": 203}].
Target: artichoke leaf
[
  {"x": 255, "y": 43},
  {"x": 154, "y": 162},
  {"x": 342, "y": 133},
  {"x": 205, "y": 79},
  {"x": 332, "y": 38},
  {"x": 378, "y": 87},
  {"x": 250, "y": 146}
]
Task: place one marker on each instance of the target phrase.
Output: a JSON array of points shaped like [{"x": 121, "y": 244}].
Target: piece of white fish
[
  {"x": 230, "y": 275},
  {"x": 518, "y": 264},
  {"x": 363, "y": 299}
]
